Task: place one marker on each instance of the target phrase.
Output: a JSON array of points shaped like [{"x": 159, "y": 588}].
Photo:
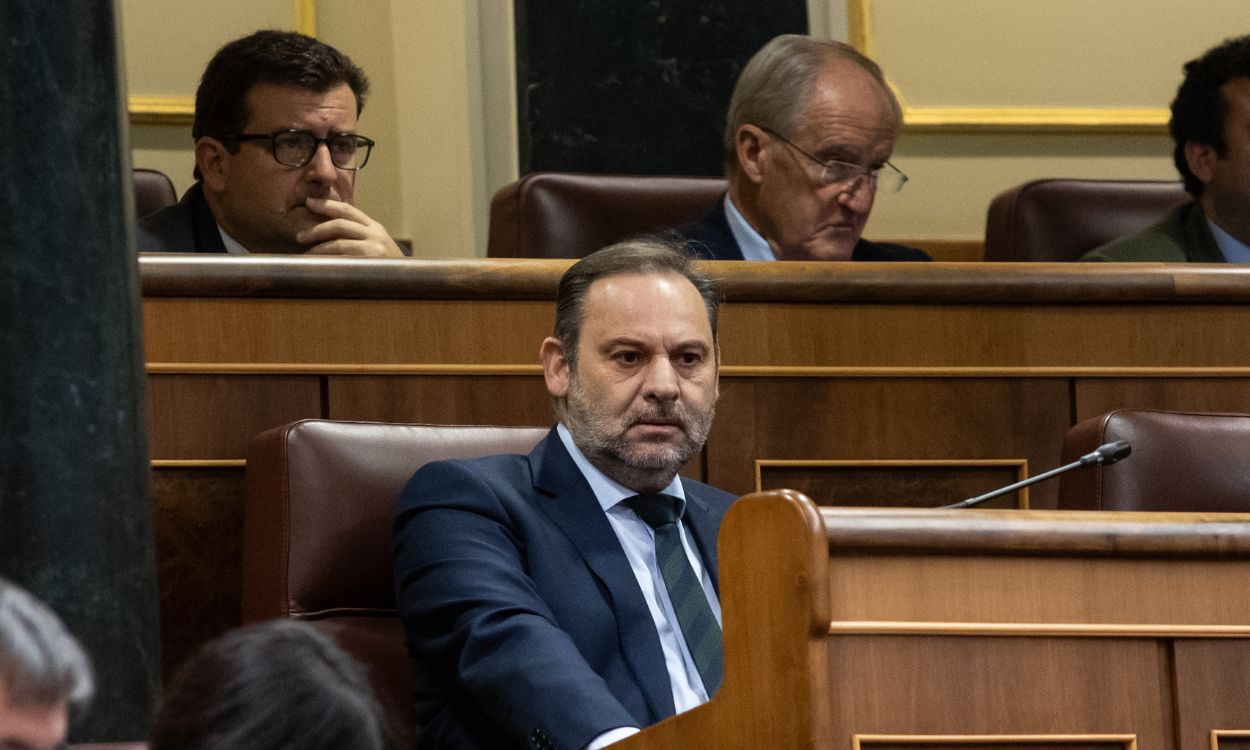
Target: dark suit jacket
[
  {"x": 522, "y": 614},
  {"x": 186, "y": 227},
  {"x": 711, "y": 239}
]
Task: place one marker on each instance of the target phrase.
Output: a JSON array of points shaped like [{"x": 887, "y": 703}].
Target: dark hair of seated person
[{"x": 278, "y": 685}]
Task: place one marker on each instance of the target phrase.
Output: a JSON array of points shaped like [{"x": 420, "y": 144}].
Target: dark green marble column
[
  {"x": 75, "y": 507},
  {"x": 606, "y": 86}
]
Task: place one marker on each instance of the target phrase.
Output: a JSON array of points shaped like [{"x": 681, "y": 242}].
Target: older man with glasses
[
  {"x": 808, "y": 138},
  {"x": 276, "y": 156}
]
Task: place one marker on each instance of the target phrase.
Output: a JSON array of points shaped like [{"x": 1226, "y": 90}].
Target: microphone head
[{"x": 1109, "y": 453}]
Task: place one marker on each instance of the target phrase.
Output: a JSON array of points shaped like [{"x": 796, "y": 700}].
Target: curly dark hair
[
  {"x": 276, "y": 57},
  {"x": 1199, "y": 109}
]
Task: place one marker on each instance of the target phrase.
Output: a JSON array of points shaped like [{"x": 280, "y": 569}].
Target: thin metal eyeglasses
[
  {"x": 887, "y": 178},
  {"x": 295, "y": 148}
]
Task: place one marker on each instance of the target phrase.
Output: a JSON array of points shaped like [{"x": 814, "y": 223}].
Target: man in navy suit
[
  {"x": 528, "y": 586},
  {"x": 808, "y": 139}
]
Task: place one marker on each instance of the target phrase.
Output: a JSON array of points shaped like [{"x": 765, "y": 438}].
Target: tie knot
[{"x": 655, "y": 510}]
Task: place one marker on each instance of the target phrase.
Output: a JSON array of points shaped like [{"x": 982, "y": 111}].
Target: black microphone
[{"x": 1105, "y": 454}]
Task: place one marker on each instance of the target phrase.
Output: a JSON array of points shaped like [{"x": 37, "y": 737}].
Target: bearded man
[{"x": 566, "y": 598}]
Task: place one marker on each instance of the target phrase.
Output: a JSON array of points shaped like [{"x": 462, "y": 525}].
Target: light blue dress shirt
[
  {"x": 1235, "y": 251},
  {"x": 751, "y": 242},
  {"x": 638, "y": 541}
]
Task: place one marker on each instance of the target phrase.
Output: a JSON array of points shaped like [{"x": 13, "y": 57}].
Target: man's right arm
[{"x": 473, "y": 614}]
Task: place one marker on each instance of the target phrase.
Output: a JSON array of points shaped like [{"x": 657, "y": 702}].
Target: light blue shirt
[
  {"x": 638, "y": 541},
  {"x": 1235, "y": 251},
  {"x": 751, "y": 242}
]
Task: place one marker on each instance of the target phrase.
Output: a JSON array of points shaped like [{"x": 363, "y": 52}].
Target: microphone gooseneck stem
[{"x": 1018, "y": 485}]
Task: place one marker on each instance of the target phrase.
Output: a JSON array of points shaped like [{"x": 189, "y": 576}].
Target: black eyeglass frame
[
  {"x": 361, "y": 141},
  {"x": 874, "y": 175}
]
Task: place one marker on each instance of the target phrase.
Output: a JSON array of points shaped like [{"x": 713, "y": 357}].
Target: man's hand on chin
[{"x": 346, "y": 231}]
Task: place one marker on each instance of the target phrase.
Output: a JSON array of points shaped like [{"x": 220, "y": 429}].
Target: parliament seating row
[
  {"x": 564, "y": 215},
  {"x": 321, "y": 493}
]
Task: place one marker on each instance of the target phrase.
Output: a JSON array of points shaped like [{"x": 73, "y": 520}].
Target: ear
[
  {"x": 1201, "y": 159},
  {"x": 213, "y": 159},
  {"x": 555, "y": 367},
  {"x": 752, "y": 154}
]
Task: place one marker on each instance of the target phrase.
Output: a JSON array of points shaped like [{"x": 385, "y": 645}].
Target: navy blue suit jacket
[
  {"x": 710, "y": 238},
  {"x": 525, "y": 621},
  {"x": 185, "y": 227}
]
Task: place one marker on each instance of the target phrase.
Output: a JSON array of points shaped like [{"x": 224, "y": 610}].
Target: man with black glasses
[
  {"x": 808, "y": 138},
  {"x": 276, "y": 155}
]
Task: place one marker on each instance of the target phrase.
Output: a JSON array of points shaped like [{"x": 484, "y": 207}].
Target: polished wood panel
[
  {"x": 894, "y": 484},
  {"x": 1066, "y": 630},
  {"x": 887, "y": 418},
  {"x": 199, "y": 532},
  {"x": 505, "y": 400},
  {"x": 1099, "y": 396},
  {"x": 956, "y": 362},
  {"x": 213, "y": 416}
]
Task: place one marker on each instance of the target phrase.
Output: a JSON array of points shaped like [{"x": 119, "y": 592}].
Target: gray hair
[
  {"x": 777, "y": 83},
  {"x": 41, "y": 664}
]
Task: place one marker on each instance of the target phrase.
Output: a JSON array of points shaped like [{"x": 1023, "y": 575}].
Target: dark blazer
[
  {"x": 185, "y": 227},
  {"x": 711, "y": 238},
  {"x": 520, "y": 609}
]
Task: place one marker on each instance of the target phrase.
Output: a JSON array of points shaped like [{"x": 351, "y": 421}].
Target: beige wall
[{"x": 997, "y": 93}]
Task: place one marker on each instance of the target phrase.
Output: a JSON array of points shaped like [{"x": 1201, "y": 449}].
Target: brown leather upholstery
[
  {"x": 561, "y": 215},
  {"x": 317, "y": 531},
  {"x": 1061, "y": 220},
  {"x": 1181, "y": 461},
  {"x": 153, "y": 191}
]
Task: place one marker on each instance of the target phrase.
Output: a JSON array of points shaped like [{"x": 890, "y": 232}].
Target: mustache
[{"x": 667, "y": 412}]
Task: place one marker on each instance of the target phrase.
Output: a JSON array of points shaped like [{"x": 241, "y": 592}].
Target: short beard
[{"x": 640, "y": 467}]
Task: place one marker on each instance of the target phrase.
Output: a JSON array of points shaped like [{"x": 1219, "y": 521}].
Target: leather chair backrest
[
  {"x": 1061, "y": 220},
  {"x": 561, "y": 215},
  {"x": 1181, "y": 461},
  {"x": 320, "y": 496},
  {"x": 153, "y": 191}
]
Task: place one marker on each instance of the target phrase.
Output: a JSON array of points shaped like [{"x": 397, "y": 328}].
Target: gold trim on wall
[
  {"x": 957, "y": 119},
  {"x": 1217, "y": 734},
  {"x": 180, "y": 110}
]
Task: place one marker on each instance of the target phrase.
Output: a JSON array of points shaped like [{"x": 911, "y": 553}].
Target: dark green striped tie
[{"x": 694, "y": 614}]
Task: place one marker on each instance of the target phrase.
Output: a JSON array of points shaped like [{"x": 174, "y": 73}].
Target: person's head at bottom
[
  {"x": 44, "y": 673},
  {"x": 278, "y": 685}
]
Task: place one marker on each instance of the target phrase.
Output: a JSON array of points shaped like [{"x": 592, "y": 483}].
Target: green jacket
[{"x": 1182, "y": 236}]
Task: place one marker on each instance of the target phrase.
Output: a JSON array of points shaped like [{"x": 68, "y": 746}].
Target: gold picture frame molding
[
  {"x": 180, "y": 110},
  {"x": 1044, "y": 119}
]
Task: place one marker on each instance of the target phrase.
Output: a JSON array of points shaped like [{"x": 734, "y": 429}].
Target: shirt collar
[
  {"x": 232, "y": 245},
  {"x": 607, "y": 491},
  {"x": 751, "y": 242},
  {"x": 1235, "y": 251}
]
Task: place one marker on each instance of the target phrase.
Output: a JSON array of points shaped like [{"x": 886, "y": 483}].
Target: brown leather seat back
[
  {"x": 153, "y": 191},
  {"x": 1061, "y": 220},
  {"x": 562, "y": 215},
  {"x": 1181, "y": 461},
  {"x": 317, "y": 530}
]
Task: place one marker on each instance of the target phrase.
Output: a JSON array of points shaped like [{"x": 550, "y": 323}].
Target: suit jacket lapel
[{"x": 567, "y": 498}]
